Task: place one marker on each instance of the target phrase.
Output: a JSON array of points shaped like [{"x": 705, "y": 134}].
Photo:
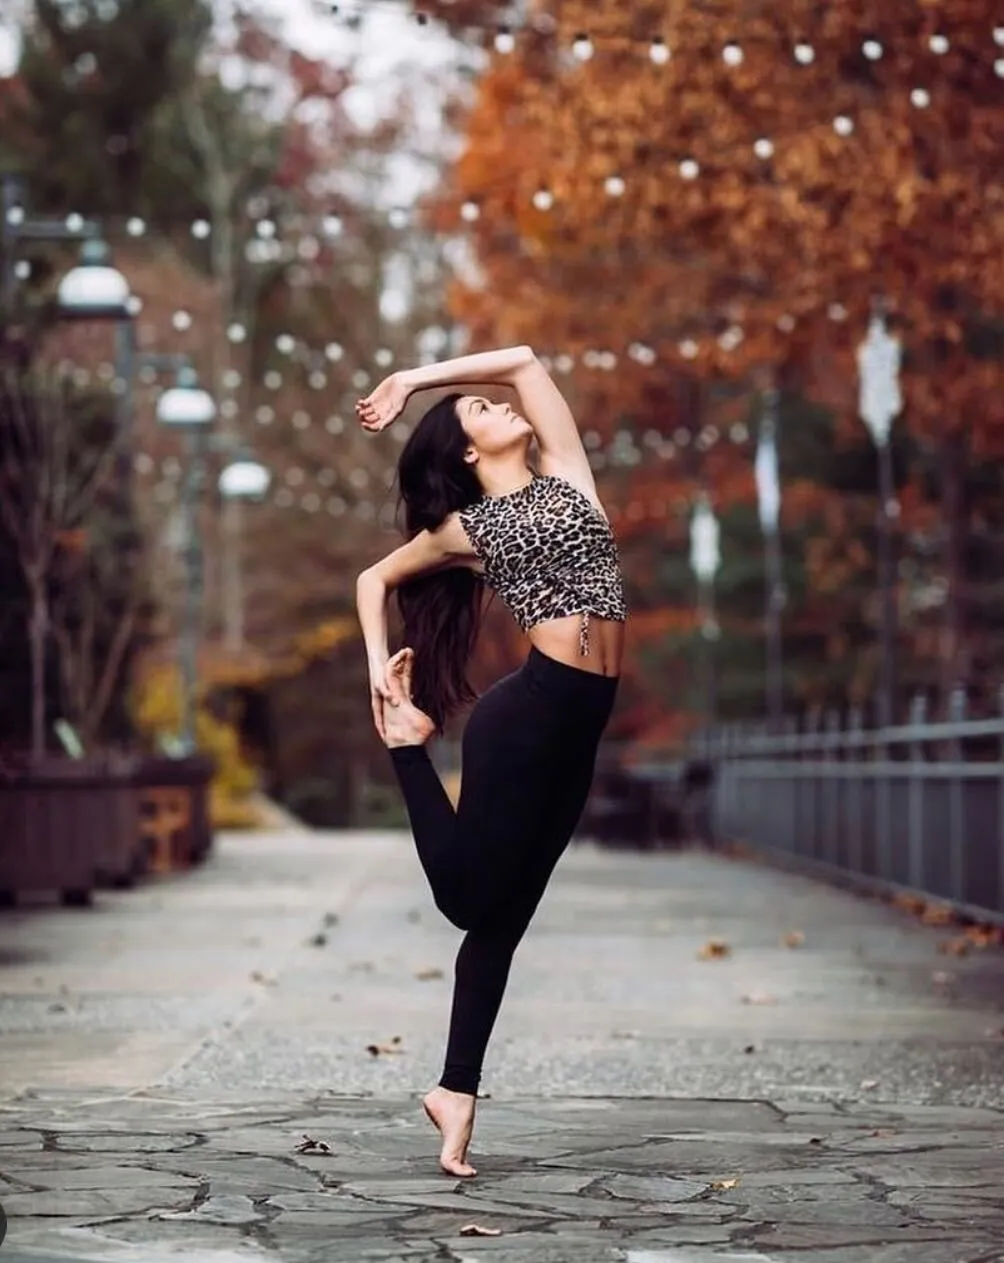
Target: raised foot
[
  {"x": 453, "y": 1115},
  {"x": 404, "y": 723}
]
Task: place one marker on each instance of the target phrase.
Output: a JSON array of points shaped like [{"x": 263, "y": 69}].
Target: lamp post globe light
[
  {"x": 94, "y": 289},
  {"x": 190, "y": 410},
  {"x": 244, "y": 478},
  {"x": 879, "y": 358},
  {"x": 186, "y": 405}
]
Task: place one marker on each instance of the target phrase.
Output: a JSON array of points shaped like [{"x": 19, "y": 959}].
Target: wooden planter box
[{"x": 67, "y": 825}]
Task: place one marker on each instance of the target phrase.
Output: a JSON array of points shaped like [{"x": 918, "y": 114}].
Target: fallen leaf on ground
[
  {"x": 714, "y": 949},
  {"x": 758, "y": 997},
  {"x": 309, "y": 1145},
  {"x": 794, "y": 938},
  {"x": 476, "y": 1230},
  {"x": 318, "y": 940},
  {"x": 429, "y": 975},
  {"x": 868, "y": 1084},
  {"x": 376, "y": 1050},
  {"x": 750, "y": 1048},
  {"x": 880, "y": 1133},
  {"x": 722, "y": 1186},
  {"x": 955, "y": 946}
]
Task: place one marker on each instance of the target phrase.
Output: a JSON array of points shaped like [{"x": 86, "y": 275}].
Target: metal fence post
[
  {"x": 883, "y": 805},
  {"x": 956, "y": 715},
  {"x": 917, "y": 784},
  {"x": 811, "y": 747},
  {"x": 831, "y": 788},
  {"x": 855, "y": 805},
  {"x": 1000, "y": 812}
]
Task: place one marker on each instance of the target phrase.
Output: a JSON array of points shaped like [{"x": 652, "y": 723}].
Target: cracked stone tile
[
  {"x": 228, "y": 1209},
  {"x": 91, "y": 1177},
  {"x": 94, "y": 1203},
  {"x": 258, "y": 1176},
  {"x": 654, "y": 1188}
]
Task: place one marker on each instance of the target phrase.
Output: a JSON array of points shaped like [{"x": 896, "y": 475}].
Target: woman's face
[{"x": 492, "y": 427}]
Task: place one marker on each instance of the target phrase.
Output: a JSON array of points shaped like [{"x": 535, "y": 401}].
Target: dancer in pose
[{"x": 477, "y": 514}]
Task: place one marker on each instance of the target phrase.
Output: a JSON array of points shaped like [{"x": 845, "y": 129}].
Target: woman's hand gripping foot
[
  {"x": 453, "y": 1115},
  {"x": 404, "y": 723}
]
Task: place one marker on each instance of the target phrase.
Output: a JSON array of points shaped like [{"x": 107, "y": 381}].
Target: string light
[
  {"x": 805, "y": 54},
  {"x": 872, "y": 49},
  {"x": 582, "y": 47},
  {"x": 543, "y": 199},
  {"x": 659, "y": 51},
  {"x": 843, "y": 125},
  {"x": 690, "y": 169},
  {"x": 732, "y": 54},
  {"x": 939, "y": 44},
  {"x": 505, "y": 41},
  {"x": 920, "y": 98}
]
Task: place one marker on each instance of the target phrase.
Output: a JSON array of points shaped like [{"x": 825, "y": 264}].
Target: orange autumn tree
[{"x": 773, "y": 172}]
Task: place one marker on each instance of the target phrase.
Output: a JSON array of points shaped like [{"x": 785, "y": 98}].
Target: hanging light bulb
[
  {"x": 732, "y": 54},
  {"x": 543, "y": 199},
  {"x": 921, "y": 98},
  {"x": 504, "y": 41},
  {"x": 200, "y": 229},
  {"x": 181, "y": 320},
  {"x": 285, "y": 344},
  {"x": 582, "y": 47},
  {"x": 690, "y": 169},
  {"x": 764, "y": 148},
  {"x": 688, "y": 349},
  {"x": 843, "y": 125},
  {"x": 939, "y": 44},
  {"x": 470, "y": 212},
  {"x": 805, "y": 54},
  {"x": 659, "y": 51},
  {"x": 236, "y": 332},
  {"x": 872, "y": 49},
  {"x": 615, "y": 186},
  {"x": 331, "y": 225}
]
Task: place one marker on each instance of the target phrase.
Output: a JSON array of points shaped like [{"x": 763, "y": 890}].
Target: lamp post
[
  {"x": 92, "y": 290},
  {"x": 188, "y": 408},
  {"x": 768, "y": 485},
  {"x": 879, "y": 357},
  {"x": 705, "y": 559}
]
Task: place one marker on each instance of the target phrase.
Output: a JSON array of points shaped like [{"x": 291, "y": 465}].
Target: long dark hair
[{"x": 441, "y": 611}]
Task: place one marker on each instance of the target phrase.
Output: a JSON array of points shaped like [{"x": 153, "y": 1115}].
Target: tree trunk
[
  {"x": 38, "y": 626},
  {"x": 954, "y": 664}
]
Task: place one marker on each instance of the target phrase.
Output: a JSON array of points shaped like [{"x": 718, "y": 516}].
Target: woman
[{"x": 477, "y": 514}]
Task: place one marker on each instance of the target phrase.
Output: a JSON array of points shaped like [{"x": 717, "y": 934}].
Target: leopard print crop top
[{"x": 548, "y": 552}]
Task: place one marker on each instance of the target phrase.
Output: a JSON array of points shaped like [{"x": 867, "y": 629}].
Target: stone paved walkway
[{"x": 832, "y": 1087}]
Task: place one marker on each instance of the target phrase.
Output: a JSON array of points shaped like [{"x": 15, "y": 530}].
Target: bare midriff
[{"x": 559, "y": 638}]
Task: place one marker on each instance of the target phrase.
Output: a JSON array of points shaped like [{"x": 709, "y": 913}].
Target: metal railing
[{"x": 917, "y": 807}]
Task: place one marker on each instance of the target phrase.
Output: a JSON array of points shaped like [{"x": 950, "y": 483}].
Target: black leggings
[{"x": 528, "y": 755}]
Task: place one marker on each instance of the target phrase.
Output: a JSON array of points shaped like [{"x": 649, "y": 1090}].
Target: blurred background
[{"x": 761, "y": 249}]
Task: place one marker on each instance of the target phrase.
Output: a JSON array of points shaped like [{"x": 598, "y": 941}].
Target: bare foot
[
  {"x": 404, "y": 723},
  {"x": 453, "y": 1115}
]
